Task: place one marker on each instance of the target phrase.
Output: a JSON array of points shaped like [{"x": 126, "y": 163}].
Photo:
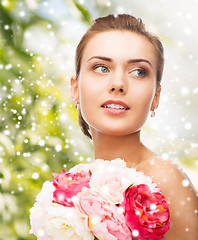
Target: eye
[
  {"x": 101, "y": 69},
  {"x": 139, "y": 72}
]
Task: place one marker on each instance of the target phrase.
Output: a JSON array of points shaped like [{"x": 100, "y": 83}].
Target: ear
[
  {"x": 156, "y": 99},
  {"x": 74, "y": 89}
]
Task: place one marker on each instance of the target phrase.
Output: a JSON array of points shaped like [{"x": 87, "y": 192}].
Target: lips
[{"x": 115, "y": 104}]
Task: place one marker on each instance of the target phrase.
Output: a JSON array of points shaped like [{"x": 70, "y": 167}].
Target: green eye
[{"x": 101, "y": 69}]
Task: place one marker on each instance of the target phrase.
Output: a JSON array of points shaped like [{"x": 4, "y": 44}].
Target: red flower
[
  {"x": 67, "y": 185},
  {"x": 146, "y": 213}
]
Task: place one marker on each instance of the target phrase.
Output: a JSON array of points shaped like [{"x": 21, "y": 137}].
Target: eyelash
[
  {"x": 142, "y": 70},
  {"x": 138, "y": 69},
  {"x": 97, "y": 66}
]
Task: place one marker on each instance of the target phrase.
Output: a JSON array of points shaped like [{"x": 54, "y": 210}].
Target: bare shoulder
[
  {"x": 179, "y": 193},
  {"x": 167, "y": 174}
]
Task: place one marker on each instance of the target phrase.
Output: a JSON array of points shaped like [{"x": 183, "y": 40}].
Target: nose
[{"x": 118, "y": 83}]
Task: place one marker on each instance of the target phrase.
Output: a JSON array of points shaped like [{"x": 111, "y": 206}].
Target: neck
[{"x": 127, "y": 147}]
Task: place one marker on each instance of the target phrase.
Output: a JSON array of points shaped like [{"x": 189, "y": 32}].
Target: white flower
[
  {"x": 110, "y": 179},
  {"x": 38, "y": 212},
  {"x": 45, "y": 197},
  {"x": 37, "y": 221},
  {"x": 82, "y": 166},
  {"x": 139, "y": 178},
  {"x": 52, "y": 221},
  {"x": 100, "y": 164},
  {"x": 65, "y": 223}
]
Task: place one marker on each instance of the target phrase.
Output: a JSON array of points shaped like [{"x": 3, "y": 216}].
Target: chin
[{"x": 119, "y": 131}]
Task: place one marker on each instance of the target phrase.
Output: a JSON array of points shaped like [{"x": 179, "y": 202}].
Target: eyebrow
[{"x": 129, "y": 61}]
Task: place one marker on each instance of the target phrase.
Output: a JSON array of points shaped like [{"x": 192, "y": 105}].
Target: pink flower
[
  {"x": 67, "y": 185},
  {"x": 146, "y": 213},
  {"x": 110, "y": 179},
  {"x": 105, "y": 220}
]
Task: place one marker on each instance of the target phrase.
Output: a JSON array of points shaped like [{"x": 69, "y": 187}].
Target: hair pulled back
[{"x": 122, "y": 22}]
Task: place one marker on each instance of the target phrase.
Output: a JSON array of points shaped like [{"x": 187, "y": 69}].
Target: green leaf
[
  {"x": 86, "y": 17},
  {"x": 5, "y": 20}
]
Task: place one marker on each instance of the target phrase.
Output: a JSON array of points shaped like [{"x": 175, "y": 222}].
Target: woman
[{"x": 119, "y": 67}]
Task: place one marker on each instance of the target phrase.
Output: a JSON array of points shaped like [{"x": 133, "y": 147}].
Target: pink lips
[{"x": 113, "y": 110}]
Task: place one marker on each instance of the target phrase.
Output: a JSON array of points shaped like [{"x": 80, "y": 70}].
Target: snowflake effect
[{"x": 38, "y": 132}]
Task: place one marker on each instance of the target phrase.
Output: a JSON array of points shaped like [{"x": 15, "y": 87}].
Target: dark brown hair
[{"x": 122, "y": 22}]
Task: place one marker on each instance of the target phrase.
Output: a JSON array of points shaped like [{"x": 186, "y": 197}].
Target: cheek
[
  {"x": 143, "y": 95},
  {"x": 88, "y": 93},
  {"x": 142, "y": 103},
  {"x": 146, "y": 99},
  {"x": 91, "y": 88},
  {"x": 143, "y": 100}
]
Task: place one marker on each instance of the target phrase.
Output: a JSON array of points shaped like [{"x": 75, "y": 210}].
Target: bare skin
[
  {"x": 179, "y": 192},
  {"x": 183, "y": 202},
  {"x": 118, "y": 75}
]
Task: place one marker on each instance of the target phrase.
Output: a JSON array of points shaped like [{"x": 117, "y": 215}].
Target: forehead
[{"x": 120, "y": 46}]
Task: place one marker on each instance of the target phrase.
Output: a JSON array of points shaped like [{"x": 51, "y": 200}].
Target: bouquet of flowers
[{"x": 102, "y": 200}]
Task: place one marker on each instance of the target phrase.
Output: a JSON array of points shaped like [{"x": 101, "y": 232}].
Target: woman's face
[{"x": 116, "y": 87}]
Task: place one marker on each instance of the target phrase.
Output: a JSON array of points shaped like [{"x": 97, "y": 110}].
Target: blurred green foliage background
[{"x": 39, "y": 133}]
